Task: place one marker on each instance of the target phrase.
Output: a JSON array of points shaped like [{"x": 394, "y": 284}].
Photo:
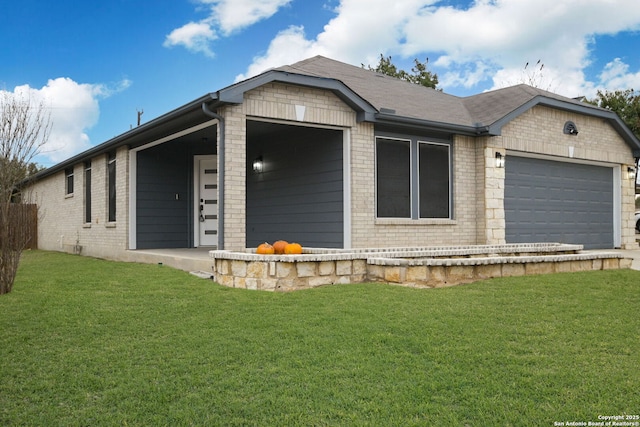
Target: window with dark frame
[
  {"x": 393, "y": 178},
  {"x": 413, "y": 178},
  {"x": 68, "y": 173},
  {"x": 434, "y": 182},
  {"x": 87, "y": 192},
  {"x": 111, "y": 185}
]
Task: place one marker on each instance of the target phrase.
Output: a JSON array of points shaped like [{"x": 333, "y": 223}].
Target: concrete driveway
[{"x": 635, "y": 254}]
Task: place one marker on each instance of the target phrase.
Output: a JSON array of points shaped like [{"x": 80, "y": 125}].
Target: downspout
[{"x": 220, "y": 119}]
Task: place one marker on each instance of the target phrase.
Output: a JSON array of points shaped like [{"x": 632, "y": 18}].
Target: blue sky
[{"x": 96, "y": 63}]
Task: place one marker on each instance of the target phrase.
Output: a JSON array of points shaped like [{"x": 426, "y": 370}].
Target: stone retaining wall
[
  {"x": 437, "y": 273},
  {"x": 288, "y": 275},
  {"x": 416, "y": 267}
]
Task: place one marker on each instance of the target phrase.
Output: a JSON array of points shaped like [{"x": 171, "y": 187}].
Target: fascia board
[
  {"x": 235, "y": 94},
  {"x": 392, "y": 119},
  {"x": 123, "y": 139}
]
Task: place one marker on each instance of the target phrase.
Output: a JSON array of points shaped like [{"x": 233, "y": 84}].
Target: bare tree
[
  {"x": 24, "y": 129},
  {"x": 533, "y": 75}
]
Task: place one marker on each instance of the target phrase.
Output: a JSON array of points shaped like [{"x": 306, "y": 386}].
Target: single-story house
[{"x": 337, "y": 156}]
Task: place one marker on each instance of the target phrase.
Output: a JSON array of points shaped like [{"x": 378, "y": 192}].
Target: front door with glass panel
[{"x": 206, "y": 200}]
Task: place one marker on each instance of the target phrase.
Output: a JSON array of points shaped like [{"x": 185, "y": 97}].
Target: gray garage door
[{"x": 548, "y": 201}]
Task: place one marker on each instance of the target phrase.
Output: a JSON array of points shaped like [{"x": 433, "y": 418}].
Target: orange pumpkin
[
  {"x": 279, "y": 246},
  {"x": 265, "y": 249},
  {"x": 293, "y": 249}
]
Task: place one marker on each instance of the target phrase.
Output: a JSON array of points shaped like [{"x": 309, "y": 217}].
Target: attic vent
[
  {"x": 570, "y": 128},
  {"x": 387, "y": 110}
]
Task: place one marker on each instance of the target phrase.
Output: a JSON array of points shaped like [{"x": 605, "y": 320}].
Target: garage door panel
[{"x": 548, "y": 201}]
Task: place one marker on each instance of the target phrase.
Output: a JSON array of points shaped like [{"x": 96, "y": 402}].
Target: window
[
  {"x": 111, "y": 186},
  {"x": 393, "y": 168},
  {"x": 413, "y": 178},
  {"x": 68, "y": 173},
  {"x": 434, "y": 180},
  {"x": 87, "y": 192}
]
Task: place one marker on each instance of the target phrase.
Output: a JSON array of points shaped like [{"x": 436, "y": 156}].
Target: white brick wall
[
  {"x": 539, "y": 130},
  {"x": 478, "y": 215},
  {"x": 369, "y": 231},
  {"x": 61, "y": 217},
  {"x": 278, "y": 101}
]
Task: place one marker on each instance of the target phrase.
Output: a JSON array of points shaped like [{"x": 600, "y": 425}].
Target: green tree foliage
[
  {"x": 419, "y": 73},
  {"x": 625, "y": 103}
]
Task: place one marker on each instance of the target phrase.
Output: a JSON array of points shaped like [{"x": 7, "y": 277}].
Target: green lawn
[{"x": 86, "y": 342}]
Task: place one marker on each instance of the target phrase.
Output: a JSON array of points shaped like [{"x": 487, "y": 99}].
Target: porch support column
[
  {"x": 235, "y": 181},
  {"x": 494, "y": 217},
  {"x": 628, "y": 190}
]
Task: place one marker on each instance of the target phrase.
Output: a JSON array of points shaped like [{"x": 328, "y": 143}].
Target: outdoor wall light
[
  {"x": 570, "y": 128},
  {"x": 499, "y": 160},
  {"x": 631, "y": 173},
  {"x": 258, "y": 165}
]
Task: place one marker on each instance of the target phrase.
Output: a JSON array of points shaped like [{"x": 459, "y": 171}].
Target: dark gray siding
[
  {"x": 549, "y": 201},
  {"x": 164, "y": 171},
  {"x": 299, "y": 195}
]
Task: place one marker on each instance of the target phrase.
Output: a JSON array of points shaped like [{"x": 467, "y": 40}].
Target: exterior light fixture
[
  {"x": 499, "y": 160},
  {"x": 570, "y": 128},
  {"x": 631, "y": 173},
  {"x": 258, "y": 165}
]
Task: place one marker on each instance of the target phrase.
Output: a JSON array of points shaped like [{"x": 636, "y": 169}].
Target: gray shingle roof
[
  {"x": 410, "y": 100},
  {"x": 489, "y": 107},
  {"x": 381, "y": 91}
]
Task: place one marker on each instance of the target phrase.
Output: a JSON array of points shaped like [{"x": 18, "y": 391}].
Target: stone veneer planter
[{"x": 428, "y": 267}]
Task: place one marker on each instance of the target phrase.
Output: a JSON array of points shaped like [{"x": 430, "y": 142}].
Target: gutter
[
  {"x": 391, "y": 119},
  {"x": 221, "y": 174},
  {"x": 120, "y": 140}
]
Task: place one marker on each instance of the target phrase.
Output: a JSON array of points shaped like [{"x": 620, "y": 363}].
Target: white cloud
[
  {"x": 506, "y": 35},
  {"x": 288, "y": 46},
  {"x": 193, "y": 36},
  {"x": 74, "y": 108},
  {"x": 225, "y": 17},
  {"x": 487, "y": 42},
  {"x": 467, "y": 75},
  {"x": 352, "y": 36},
  {"x": 234, "y": 15},
  {"x": 616, "y": 76}
]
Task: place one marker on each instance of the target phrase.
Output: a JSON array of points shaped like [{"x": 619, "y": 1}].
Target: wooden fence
[{"x": 23, "y": 220}]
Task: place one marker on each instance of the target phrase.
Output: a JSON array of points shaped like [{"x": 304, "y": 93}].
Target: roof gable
[
  {"x": 376, "y": 98},
  {"x": 494, "y": 109},
  {"x": 234, "y": 94}
]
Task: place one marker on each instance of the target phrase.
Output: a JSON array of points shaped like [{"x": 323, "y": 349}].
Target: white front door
[{"x": 206, "y": 200}]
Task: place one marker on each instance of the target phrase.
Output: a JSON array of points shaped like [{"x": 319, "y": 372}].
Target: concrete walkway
[
  {"x": 191, "y": 259},
  {"x": 635, "y": 254}
]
